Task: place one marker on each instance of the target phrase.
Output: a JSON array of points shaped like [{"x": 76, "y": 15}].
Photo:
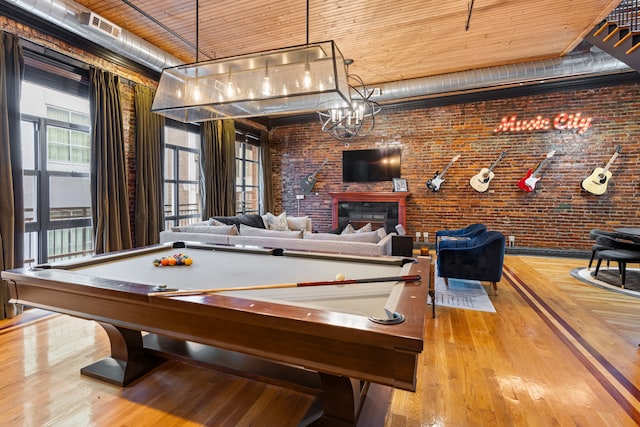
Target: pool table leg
[
  {"x": 128, "y": 360},
  {"x": 351, "y": 402}
]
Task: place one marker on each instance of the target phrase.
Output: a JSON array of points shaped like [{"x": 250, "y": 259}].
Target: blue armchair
[
  {"x": 466, "y": 232},
  {"x": 478, "y": 258}
]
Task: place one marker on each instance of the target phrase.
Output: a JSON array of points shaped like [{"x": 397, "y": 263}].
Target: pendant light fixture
[{"x": 290, "y": 80}]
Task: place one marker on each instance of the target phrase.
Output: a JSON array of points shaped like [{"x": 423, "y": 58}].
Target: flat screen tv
[{"x": 378, "y": 164}]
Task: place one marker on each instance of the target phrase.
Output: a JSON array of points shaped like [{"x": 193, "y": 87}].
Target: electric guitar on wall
[
  {"x": 309, "y": 181},
  {"x": 480, "y": 182},
  {"x": 596, "y": 183},
  {"x": 434, "y": 183},
  {"x": 528, "y": 183}
]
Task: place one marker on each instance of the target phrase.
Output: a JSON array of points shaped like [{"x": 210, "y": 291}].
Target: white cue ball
[{"x": 339, "y": 276}]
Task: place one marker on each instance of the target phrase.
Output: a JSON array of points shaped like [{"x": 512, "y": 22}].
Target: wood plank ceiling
[{"x": 389, "y": 41}]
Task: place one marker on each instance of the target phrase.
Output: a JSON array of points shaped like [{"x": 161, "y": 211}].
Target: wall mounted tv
[{"x": 379, "y": 164}]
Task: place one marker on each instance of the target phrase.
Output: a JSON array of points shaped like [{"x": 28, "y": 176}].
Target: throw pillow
[
  {"x": 254, "y": 220},
  {"x": 339, "y": 229},
  {"x": 278, "y": 223},
  {"x": 367, "y": 228},
  {"x": 299, "y": 223},
  {"x": 348, "y": 230},
  {"x": 364, "y": 229}
]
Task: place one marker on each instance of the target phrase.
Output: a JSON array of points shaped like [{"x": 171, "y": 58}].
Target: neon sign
[{"x": 562, "y": 121}]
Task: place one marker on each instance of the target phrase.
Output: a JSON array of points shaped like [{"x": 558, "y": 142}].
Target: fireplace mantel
[{"x": 398, "y": 197}]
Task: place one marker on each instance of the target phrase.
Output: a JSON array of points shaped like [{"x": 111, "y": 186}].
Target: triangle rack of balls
[{"x": 175, "y": 259}]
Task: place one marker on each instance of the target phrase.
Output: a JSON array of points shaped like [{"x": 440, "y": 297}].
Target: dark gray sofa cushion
[{"x": 252, "y": 220}]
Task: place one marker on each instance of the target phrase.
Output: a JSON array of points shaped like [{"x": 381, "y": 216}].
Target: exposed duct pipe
[
  {"x": 583, "y": 64},
  {"x": 66, "y": 14}
]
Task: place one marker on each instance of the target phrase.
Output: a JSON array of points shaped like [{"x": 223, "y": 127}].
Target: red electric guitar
[{"x": 528, "y": 183}]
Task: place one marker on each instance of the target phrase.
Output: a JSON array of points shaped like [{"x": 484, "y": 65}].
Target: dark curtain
[
  {"x": 218, "y": 168},
  {"x": 149, "y": 215},
  {"x": 109, "y": 195},
  {"x": 267, "y": 172},
  {"x": 11, "y": 196}
]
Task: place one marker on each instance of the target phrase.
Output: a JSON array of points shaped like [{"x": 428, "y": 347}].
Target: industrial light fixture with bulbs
[
  {"x": 290, "y": 80},
  {"x": 300, "y": 79}
]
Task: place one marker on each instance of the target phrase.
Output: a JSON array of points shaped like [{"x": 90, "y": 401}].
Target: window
[
  {"x": 248, "y": 192},
  {"x": 56, "y": 160},
  {"x": 182, "y": 201},
  {"x": 66, "y": 144},
  {"x": 182, "y": 198}
]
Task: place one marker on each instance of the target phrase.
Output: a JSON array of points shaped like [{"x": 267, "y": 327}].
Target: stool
[{"x": 622, "y": 257}]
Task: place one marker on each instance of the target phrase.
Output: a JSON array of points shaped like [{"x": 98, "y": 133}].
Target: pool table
[{"x": 330, "y": 340}]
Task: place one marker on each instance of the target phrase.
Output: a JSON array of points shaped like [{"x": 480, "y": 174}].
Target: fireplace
[{"x": 381, "y": 209}]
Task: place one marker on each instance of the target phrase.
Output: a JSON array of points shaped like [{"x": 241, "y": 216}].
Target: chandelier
[{"x": 356, "y": 119}]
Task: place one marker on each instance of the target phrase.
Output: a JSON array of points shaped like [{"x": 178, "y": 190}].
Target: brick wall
[{"x": 558, "y": 214}]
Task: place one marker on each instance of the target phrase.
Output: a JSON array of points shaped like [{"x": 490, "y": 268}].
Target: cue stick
[{"x": 407, "y": 278}]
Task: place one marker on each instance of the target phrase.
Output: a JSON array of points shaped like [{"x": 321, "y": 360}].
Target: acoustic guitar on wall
[
  {"x": 434, "y": 183},
  {"x": 528, "y": 183},
  {"x": 596, "y": 183},
  {"x": 309, "y": 181},
  {"x": 480, "y": 181}
]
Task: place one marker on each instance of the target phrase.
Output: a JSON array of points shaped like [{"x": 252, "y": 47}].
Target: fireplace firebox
[{"x": 381, "y": 209}]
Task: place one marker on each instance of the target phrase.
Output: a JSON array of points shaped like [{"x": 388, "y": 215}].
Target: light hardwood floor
[{"x": 558, "y": 352}]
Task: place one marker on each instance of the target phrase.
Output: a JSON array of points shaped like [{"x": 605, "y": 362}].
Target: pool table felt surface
[{"x": 218, "y": 268}]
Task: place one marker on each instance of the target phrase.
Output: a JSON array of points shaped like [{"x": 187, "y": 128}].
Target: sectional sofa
[{"x": 269, "y": 231}]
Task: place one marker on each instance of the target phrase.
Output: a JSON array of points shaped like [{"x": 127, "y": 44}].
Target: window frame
[
  {"x": 42, "y": 223},
  {"x": 248, "y": 138},
  {"x": 175, "y": 219}
]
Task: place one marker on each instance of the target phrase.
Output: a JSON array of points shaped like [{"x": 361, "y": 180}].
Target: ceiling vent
[{"x": 92, "y": 20}]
